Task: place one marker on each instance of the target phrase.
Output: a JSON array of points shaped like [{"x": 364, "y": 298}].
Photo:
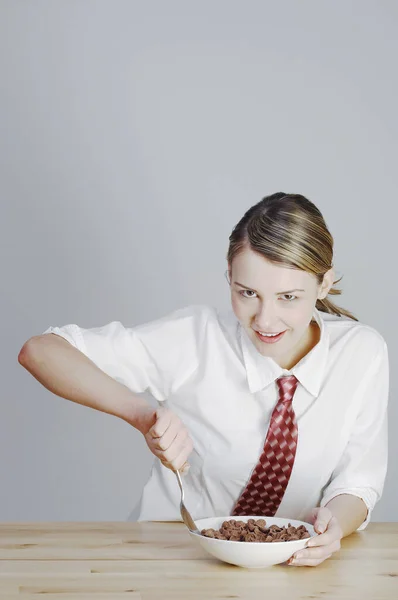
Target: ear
[{"x": 327, "y": 284}]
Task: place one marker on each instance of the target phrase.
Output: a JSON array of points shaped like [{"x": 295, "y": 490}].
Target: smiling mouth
[
  {"x": 269, "y": 334},
  {"x": 269, "y": 338}
]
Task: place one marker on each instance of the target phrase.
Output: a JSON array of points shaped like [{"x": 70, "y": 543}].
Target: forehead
[{"x": 254, "y": 271}]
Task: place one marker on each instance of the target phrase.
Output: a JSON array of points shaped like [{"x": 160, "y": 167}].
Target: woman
[{"x": 278, "y": 406}]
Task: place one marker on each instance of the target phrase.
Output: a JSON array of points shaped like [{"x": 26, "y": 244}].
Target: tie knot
[{"x": 287, "y": 387}]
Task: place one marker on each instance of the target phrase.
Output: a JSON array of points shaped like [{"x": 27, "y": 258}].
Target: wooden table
[{"x": 153, "y": 561}]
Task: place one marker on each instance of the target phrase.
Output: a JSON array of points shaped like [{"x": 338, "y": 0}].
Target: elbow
[{"x": 26, "y": 352}]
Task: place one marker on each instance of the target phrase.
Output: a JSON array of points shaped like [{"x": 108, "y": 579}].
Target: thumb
[
  {"x": 322, "y": 519},
  {"x": 159, "y": 412}
]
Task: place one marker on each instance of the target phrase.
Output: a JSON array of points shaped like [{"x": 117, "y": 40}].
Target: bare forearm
[
  {"x": 349, "y": 510},
  {"x": 68, "y": 373}
]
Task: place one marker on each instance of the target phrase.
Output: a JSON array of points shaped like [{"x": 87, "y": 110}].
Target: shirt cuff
[
  {"x": 70, "y": 333},
  {"x": 367, "y": 496}
]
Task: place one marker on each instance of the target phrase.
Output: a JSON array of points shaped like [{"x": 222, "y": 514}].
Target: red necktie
[{"x": 264, "y": 492}]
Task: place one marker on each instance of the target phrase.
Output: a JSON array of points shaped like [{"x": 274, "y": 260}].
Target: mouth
[{"x": 269, "y": 338}]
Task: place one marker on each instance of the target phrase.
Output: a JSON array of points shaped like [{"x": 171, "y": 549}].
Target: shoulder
[
  {"x": 354, "y": 335},
  {"x": 186, "y": 321},
  {"x": 202, "y": 325},
  {"x": 193, "y": 312}
]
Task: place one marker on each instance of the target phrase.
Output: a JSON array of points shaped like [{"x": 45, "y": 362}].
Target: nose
[{"x": 266, "y": 317}]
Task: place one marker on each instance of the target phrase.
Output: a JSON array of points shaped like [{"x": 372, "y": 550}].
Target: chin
[{"x": 267, "y": 350}]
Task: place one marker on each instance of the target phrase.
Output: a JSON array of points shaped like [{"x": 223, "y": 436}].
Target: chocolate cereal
[{"x": 256, "y": 530}]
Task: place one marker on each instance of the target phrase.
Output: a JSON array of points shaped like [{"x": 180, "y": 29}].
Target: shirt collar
[{"x": 262, "y": 371}]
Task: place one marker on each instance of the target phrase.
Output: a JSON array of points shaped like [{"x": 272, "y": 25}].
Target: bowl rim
[{"x": 199, "y": 535}]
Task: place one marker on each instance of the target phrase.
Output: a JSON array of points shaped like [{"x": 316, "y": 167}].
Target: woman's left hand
[{"x": 322, "y": 546}]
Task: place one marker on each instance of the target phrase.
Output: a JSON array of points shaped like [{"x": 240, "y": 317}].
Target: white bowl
[{"x": 252, "y": 555}]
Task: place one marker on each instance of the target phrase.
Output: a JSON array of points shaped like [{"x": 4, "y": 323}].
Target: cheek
[
  {"x": 301, "y": 317},
  {"x": 240, "y": 309},
  {"x": 235, "y": 305}
]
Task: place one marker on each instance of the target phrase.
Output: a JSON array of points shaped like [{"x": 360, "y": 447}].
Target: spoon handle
[{"x": 185, "y": 515}]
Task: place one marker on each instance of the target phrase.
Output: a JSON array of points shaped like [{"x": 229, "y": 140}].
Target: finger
[
  {"x": 165, "y": 441},
  {"x": 307, "y": 562},
  {"x": 312, "y": 515},
  {"x": 319, "y": 552},
  {"x": 175, "y": 433},
  {"x": 183, "y": 470},
  {"x": 181, "y": 463},
  {"x": 332, "y": 534},
  {"x": 166, "y": 464},
  {"x": 179, "y": 452},
  {"x": 323, "y": 517},
  {"x": 163, "y": 419},
  {"x": 180, "y": 440},
  {"x": 168, "y": 458}
]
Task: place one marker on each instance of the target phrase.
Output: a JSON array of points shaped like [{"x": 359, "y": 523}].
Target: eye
[
  {"x": 243, "y": 292},
  {"x": 289, "y": 297}
]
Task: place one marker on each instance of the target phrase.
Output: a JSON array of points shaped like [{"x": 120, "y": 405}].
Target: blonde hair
[{"x": 288, "y": 229}]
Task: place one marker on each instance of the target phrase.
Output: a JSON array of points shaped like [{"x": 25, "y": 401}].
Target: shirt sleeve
[
  {"x": 156, "y": 357},
  {"x": 363, "y": 466}
]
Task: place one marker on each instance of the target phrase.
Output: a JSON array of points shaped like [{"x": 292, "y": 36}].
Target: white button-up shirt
[{"x": 203, "y": 365}]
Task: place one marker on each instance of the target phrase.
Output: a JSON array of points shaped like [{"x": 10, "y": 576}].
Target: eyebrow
[{"x": 277, "y": 294}]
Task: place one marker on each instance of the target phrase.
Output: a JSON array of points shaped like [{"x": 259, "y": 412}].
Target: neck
[{"x": 309, "y": 341}]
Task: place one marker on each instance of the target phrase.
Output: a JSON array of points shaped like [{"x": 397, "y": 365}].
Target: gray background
[{"x": 133, "y": 136}]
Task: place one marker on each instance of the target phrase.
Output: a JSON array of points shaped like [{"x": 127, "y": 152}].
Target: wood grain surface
[{"x": 152, "y": 561}]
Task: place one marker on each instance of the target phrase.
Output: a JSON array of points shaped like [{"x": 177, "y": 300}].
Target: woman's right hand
[{"x": 168, "y": 439}]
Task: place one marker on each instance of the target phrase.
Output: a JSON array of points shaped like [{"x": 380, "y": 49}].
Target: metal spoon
[{"x": 186, "y": 517}]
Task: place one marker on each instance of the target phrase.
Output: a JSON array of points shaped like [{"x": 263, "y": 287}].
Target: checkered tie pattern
[{"x": 265, "y": 490}]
